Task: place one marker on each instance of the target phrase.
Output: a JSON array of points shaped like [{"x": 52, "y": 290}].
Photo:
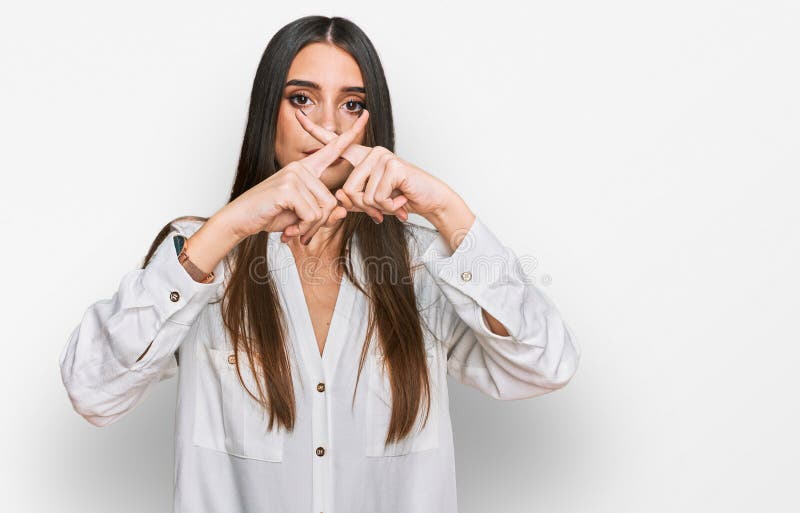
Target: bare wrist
[
  {"x": 453, "y": 220},
  {"x": 211, "y": 243},
  {"x": 224, "y": 230}
]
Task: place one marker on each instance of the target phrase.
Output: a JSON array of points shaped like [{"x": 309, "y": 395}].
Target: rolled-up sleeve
[
  {"x": 126, "y": 344},
  {"x": 540, "y": 352}
]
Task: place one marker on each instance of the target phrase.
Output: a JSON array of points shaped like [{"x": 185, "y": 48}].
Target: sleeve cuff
[
  {"x": 176, "y": 295},
  {"x": 475, "y": 276}
]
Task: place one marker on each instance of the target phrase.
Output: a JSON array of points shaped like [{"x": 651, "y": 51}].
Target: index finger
[
  {"x": 354, "y": 153},
  {"x": 327, "y": 155}
]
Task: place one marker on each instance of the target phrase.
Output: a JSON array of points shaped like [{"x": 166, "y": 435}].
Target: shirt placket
[
  {"x": 321, "y": 442},
  {"x": 320, "y": 370}
]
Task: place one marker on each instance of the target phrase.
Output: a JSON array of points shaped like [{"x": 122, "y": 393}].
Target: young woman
[{"x": 309, "y": 275}]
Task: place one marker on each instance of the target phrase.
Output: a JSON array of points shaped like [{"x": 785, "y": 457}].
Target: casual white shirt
[{"x": 334, "y": 461}]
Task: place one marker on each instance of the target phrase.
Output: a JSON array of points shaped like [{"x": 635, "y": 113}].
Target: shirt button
[
  {"x": 174, "y": 296},
  {"x": 232, "y": 359},
  {"x": 320, "y": 387},
  {"x": 320, "y": 451},
  {"x": 466, "y": 276}
]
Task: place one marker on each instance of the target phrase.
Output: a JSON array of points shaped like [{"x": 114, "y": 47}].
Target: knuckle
[
  {"x": 285, "y": 185},
  {"x": 330, "y": 202},
  {"x": 291, "y": 178}
]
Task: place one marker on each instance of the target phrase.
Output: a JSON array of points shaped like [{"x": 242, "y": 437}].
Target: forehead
[{"x": 327, "y": 65}]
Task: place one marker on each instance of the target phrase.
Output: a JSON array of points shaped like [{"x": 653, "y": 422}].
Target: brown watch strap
[{"x": 195, "y": 272}]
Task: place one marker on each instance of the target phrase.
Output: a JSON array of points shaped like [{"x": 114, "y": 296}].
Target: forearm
[
  {"x": 209, "y": 244},
  {"x": 453, "y": 220}
]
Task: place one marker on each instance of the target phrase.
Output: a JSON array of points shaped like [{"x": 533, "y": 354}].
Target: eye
[
  {"x": 295, "y": 99},
  {"x": 357, "y": 103}
]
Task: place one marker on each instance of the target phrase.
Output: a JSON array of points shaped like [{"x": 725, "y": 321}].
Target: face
[{"x": 325, "y": 82}]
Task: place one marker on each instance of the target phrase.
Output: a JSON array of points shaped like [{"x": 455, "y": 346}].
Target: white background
[{"x": 644, "y": 153}]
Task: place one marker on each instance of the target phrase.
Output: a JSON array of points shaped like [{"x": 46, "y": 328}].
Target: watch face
[{"x": 178, "y": 240}]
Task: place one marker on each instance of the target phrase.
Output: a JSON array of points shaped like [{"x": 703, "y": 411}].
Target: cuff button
[
  {"x": 174, "y": 296},
  {"x": 466, "y": 276}
]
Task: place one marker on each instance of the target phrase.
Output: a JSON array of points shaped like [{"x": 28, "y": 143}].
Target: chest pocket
[
  {"x": 379, "y": 411},
  {"x": 226, "y": 417}
]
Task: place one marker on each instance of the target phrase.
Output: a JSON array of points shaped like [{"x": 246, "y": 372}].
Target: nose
[{"x": 326, "y": 117}]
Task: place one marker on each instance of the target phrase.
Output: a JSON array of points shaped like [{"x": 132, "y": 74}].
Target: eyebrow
[{"x": 314, "y": 85}]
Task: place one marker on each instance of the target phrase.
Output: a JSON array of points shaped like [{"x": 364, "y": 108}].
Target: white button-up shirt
[{"x": 334, "y": 461}]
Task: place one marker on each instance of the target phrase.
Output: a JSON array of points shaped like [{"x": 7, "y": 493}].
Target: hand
[
  {"x": 293, "y": 200},
  {"x": 381, "y": 181}
]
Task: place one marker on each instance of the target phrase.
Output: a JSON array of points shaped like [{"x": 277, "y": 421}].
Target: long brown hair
[{"x": 251, "y": 312}]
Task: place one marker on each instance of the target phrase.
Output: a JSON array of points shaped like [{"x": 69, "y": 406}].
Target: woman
[{"x": 268, "y": 420}]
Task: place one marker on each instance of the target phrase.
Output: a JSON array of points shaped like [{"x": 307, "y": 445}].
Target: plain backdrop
[{"x": 644, "y": 154}]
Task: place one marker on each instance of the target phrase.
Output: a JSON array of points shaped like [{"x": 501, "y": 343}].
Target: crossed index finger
[
  {"x": 354, "y": 153},
  {"x": 318, "y": 161}
]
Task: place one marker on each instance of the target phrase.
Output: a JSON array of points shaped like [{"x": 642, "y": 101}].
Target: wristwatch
[{"x": 195, "y": 272}]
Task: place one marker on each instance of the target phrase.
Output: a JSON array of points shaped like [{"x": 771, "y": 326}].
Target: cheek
[{"x": 285, "y": 136}]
